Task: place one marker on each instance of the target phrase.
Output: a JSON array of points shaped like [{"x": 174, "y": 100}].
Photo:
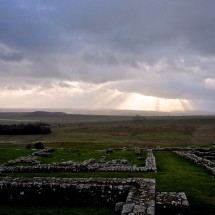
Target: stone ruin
[
  {"x": 117, "y": 165},
  {"x": 31, "y": 159},
  {"x": 204, "y": 157},
  {"x": 194, "y": 157},
  {"x": 44, "y": 152},
  {"x": 171, "y": 149},
  {"x": 132, "y": 196},
  {"x": 150, "y": 164}
]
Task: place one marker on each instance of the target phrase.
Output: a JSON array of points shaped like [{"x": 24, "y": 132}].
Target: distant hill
[
  {"x": 20, "y": 113},
  {"x": 9, "y": 115},
  {"x": 46, "y": 114},
  {"x": 56, "y": 117}
]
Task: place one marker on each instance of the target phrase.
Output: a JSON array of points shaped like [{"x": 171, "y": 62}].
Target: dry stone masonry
[
  {"x": 171, "y": 149},
  {"x": 171, "y": 202},
  {"x": 132, "y": 196},
  {"x": 150, "y": 162},
  {"x": 197, "y": 160},
  {"x": 117, "y": 165},
  {"x": 141, "y": 199},
  {"x": 204, "y": 157}
]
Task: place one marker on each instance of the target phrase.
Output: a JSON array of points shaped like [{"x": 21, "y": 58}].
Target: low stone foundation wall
[
  {"x": 71, "y": 191},
  {"x": 86, "y": 166},
  {"x": 207, "y": 164},
  {"x": 150, "y": 163},
  {"x": 174, "y": 149},
  {"x": 132, "y": 196},
  {"x": 141, "y": 199}
]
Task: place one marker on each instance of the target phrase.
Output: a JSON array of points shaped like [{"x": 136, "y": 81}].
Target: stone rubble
[
  {"x": 31, "y": 159},
  {"x": 44, "y": 152}
]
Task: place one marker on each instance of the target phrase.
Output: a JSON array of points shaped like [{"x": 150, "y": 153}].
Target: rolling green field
[
  {"x": 80, "y": 155},
  {"x": 150, "y": 131},
  {"x": 78, "y": 141}
]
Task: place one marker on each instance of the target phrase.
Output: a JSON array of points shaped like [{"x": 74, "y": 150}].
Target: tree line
[{"x": 24, "y": 129}]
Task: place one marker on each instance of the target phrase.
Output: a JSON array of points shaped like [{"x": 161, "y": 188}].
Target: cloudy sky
[{"x": 108, "y": 54}]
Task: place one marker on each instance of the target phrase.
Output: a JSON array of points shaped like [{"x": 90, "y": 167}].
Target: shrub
[{"x": 39, "y": 145}]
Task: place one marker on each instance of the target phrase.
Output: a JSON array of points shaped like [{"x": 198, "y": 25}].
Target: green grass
[
  {"x": 130, "y": 133},
  {"x": 12, "y": 153},
  {"x": 79, "y": 155},
  {"x": 86, "y": 135},
  {"x": 129, "y": 155},
  {"x": 87, "y": 145},
  {"x": 14, "y": 209},
  {"x": 174, "y": 175},
  {"x": 163, "y": 131}
]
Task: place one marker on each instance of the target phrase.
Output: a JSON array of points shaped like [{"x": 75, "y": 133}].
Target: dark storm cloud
[
  {"x": 10, "y": 56},
  {"x": 22, "y": 26},
  {"x": 131, "y": 26},
  {"x": 159, "y": 47}
]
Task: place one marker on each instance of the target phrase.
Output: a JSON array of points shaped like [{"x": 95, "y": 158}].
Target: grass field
[
  {"x": 81, "y": 139},
  {"x": 174, "y": 174},
  {"x": 152, "y": 131},
  {"x": 79, "y": 155},
  {"x": 15, "y": 209},
  {"x": 12, "y": 153}
]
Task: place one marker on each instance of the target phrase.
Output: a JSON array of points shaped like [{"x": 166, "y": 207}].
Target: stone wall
[
  {"x": 141, "y": 199},
  {"x": 150, "y": 163},
  {"x": 207, "y": 164},
  {"x": 132, "y": 196},
  {"x": 174, "y": 148},
  {"x": 86, "y": 166},
  {"x": 71, "y": 191},
  {"x": 171, "y": 203}
]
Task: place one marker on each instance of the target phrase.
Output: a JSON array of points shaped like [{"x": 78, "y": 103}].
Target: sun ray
[{"x": 135, "y": 101}]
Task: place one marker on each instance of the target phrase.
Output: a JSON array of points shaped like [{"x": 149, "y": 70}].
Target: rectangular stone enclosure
[{"x": 129, "y": 196}]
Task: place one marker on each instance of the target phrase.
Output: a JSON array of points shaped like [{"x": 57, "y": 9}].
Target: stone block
[
  {"x": 150, "y": 210},
  {"x": 127, "y": 208},
  {"x": 139, "y": 210},
  {"x": 119, "y": 206}
]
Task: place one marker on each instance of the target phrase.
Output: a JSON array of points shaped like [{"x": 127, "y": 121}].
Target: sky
[{"x": 156, "y": 55}]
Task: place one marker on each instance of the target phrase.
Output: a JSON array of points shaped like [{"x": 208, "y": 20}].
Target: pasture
[{"x": 80, "y": 139}]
